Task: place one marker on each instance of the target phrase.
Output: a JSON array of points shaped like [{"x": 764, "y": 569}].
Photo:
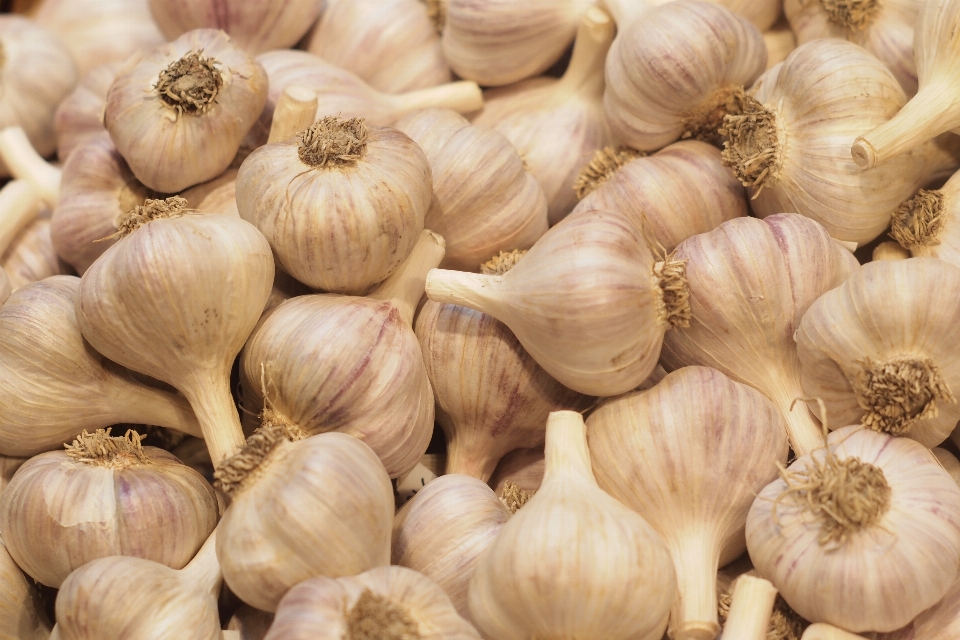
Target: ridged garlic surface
[
  {"x": 879, "y": 349},
  {"x": 31, "y": 256},
  {"x": 22, "y": 611},
  {"x": 750, "y": 282},
  {"x": 4, "y": 287},
  {"x": 939, "y": 622},
  {"x": 929, "y": 223},
  {"x": 522, "y": 467},
  {"x": 761, "y": 13},
  {"x": 873, "y": 513},
  {"x": 79, "y": 116}
]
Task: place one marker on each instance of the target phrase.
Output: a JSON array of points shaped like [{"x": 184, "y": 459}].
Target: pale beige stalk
[
  {"x": 750, "y": 609},
  {"x": 523, "y": 467},
  {"x": 24, "y": 163},
  {"x": 80, "y": 115},
  {"x": 19, "y": 205},
  {"x": 929, "y": 223},
  {"x": 295, "y": 111},
  {"x": 22, "y": 609}
]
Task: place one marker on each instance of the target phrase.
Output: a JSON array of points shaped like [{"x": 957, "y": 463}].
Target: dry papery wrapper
[
  {"x": 255, "y": 26},
  {"x": 521, "y": 467},
  {"x": 762, "y": 14},
  {"x": 342, "y": 205},
  {"x": 100, "y": 31},
  {"x": 651, "y": 450},
  {"x": 882, "y": 27},
  {"x": 879, "y": 349},
  {"x": 589, "y": 302},
  {"x": 392, "y": 45},
  {"x": 101, "y": 496},
  {"x": 349, "y": 364},
  {"x": 711, "y": 54},
  {"x": 871, "y": 511},
  {"x": 443, "y": 530},
  {"x": 573, "y": 562},
  {"x": 250, "y": 623},
  {"x": 343, "y": 94},
  {"x": 780, "y": 41},
  {"x": 750, "y": 282},
  {"x": 5, "y": 288},
  {"x": 23, "y": 613},
  {"x": 678, "y": 192},
  {"x": 491, "y": 396},
  {"x": 929, "y": 223},
  {"x": 790, "y": 144},
  {"x": 135, "y": 306},
  {"x": 529, "y": 114},
  {"x": 179, "y": 113},
  {"x": 80, "y": 115},
  {"x": 934, "y": 109},
  {"x": 484, "y": 200},
  {"x": 124, "y": 598},
  {"x": 57, "y": 384}
]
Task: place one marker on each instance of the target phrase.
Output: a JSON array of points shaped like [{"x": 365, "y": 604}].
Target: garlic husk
[
  {"x": 928, "y": 225},
  {"x": 484, "y": 201},
  {"x": 678, "y": 192},
  {"x": 878, "y": 349},
  {"x": 173, "y": 141},
  {"x": 894, "y": 547},
  {"x": 80, "y": 115},
  {"x": 321, "y": 506},
  {"x": 157, "y": 601},
  {"x": 573, "y": 562},
  {"x": 104, "y": 496},
  {"x": 750, "y": 283},
  {"x": 780, "y": 41},
  {"x": 713, "y": 54},
  {"x": 750, "y": 609},
  {"x": 342, "y": 206},
  {"x": 22, "y": 612},
  {"x": 134, "y": 306},
  {"x": 885, "y": 29},
  {"x": 250, "y": 623},
  {"x": 254, "y": 26},
  {"x": 689, "y": 455},
  {"x": 492, "y": 397},
  {"x": 443, "y": 530},
  {"x": 522, "y": 467},
  {"x": 530, "y": 114},
  {"x": 392, "y": 45},
  {"x": 949, "y": 462},
  {"x": 791, "y": 145},
  {"x": 31, "y": 256}
]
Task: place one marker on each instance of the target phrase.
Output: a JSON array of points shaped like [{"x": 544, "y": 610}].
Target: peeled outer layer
[
  {"x": 256, "y": 26},
  {"x": 891, "y": 570},
  {"x": 79, "y": 116},
  {"x": 887, "y": 310},
  {"x": 346, "y": 364},
  {"x": 750, "y": 283},
  {"x": 169, "y": 151},
  {"x": 22, "y": 611},
  {"x": 667, "y": 66},
  {"x": 320, "y": 608},
  {"x": 339, "y": 229},
  {"x": 322, "y": 506}
]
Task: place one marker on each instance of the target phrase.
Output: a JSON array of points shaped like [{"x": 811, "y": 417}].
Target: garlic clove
[
  {"x": 522, "y": 467},
  {"x": 22, "y": 612},
  {"x": 80, "y": 115}
]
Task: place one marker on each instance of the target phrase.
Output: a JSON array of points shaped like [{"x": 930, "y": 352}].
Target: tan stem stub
[
  {"x": 785, "y": 623},
  {"x": 752, "y": 148},
  {"x": 333, "y": 142},
  {"x": 103, "y": 450},
  {"x": 376, "y": 617},
  {"x": 705, "y": 121},
  {"x": 231, "y": 476},
  {"x": 513, "y": 497},
  {"x": 172, "y": 207},
  {"x": 852, "y": 15},
  {"x": 602, "y": 166},
  {"x": 190, "y": 85},
  {"x": 899, "y": 392},
  {"x": 919, "y": 220},
  {"x": 437, "y": 10},
  {"x": 673, "y": 292},
  {"x": 501, "y": 263}
]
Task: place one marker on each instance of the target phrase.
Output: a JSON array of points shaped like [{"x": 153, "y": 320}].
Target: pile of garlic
[{"x": 480, "y": 319}]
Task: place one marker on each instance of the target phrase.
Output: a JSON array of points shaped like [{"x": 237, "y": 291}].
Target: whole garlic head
[{"x": 22, "y": 611}]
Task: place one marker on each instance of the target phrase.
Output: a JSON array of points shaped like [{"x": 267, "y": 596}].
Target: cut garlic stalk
[
  {"x": 23, "y": 162},
  {"x": 295, "y": 111},
  {"x": 750, "y": 609},
  {"x": 19, "y": 205}
]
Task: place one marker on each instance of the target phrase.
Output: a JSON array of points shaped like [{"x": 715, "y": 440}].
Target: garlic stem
[
  {"x": 296, "y": 110},
  {"x": 565, "y": 450},
  {"x": 696, "y": 559},
  {"x": 19, "y": 205},
  {"x": 822, "y": 631},
  {"x": 928, "y": 114},
  {"x": 470, "y": 458},
  {"x": 803, "y": 429},
  {"x": 209, "y": 395},
  {"x": 405, "y": 286},
  {"x": 203, "y": 572},
  {"x": 142, "y": 406},
  {"x": 463, "y": 97},
  {"x": 585, "y": 72},
  {"x": 472, "y": 290},
  {"x": 750, "y": 609},
  {"x": 25, "y": 163}
]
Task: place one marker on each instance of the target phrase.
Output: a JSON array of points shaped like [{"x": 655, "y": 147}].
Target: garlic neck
[
  {"x": 189, "y": 86},
  {"x": 470, "y": 458},
  {"x": 405, "y": 287},
  {"x": 565, "y": 450},
  {"x": 672, "y": 292},
  {"x": 377, "y": 617},
  {"x": 100, "y": 449},
  {"x": 437, "y": 11},
  {"x": 209, "y": 395},
  {"x": 624, "y": 11},
  {"x": 852, "y": 15},
  {"x": 241, "y": 469},
  {"x": 584, "y": 76},
  {"x": 19, "y": 206},
  {"x": 203, "y": 572},
  {"x": 602, "y": 166},
  {"x": 696, "y": 556},
  {"x": 24, "y": 163},
  {"x": 918, "y": 221},
  {"x": 333, "y": 143},
  {"x": 754, "y": 148},
  {"x": 899, "y": 392}
]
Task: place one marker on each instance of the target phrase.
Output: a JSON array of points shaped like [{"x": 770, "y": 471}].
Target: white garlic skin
[
  {"x": 521, "y": 466},
  {"x": 882, "y": 576},
  {"x": 80, "y": 115},
  {"x": 762, "y": 14},
  {"x": 31, "y": 256},
  {"x": 22, "y": 611}
]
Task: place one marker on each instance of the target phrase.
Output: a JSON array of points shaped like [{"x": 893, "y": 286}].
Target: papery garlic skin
[
  {"x": 939, "y": 622},
  {"x": 523, "y": 467},
  {"x": 891, "y": 570},
  {"x": 4, "y": 287},
  {"x": 80, "y": 115},
  {"x": 159, "y": 135},
  {"x": 31, "y": 256},
  {"x": 22, "y": 612}
]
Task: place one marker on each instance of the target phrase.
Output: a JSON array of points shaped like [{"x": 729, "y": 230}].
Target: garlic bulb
[
  {"x": 522, "y": 467},
  {"x": 874, "y": 513},
  {"x": 80, "y": 115},
  {"x": 187, "y": 336},
  {"x": 218, "y": 195},
  {"x": 492, "y": 397},
  {"x": 939, "y": 622},
  {"x": 948, "y": 461},
  {"x": 878, "y": 349},
  {"x": 781, "y": 42},
  {"x": 678, "y": 71},
  {"x": 763, "y": 14},
  {"x": 791, "y": 144},
  {"x": 22, "y": 614},
  {"x": 350, "y": 364},
  {"x": 443, "y": 530},
  {"x": 31, "y": 256},
  {"x": 678, "y": 192},
  {"x": 589, "y": 302},
  {"x": 56, "y": 385},
  {"x": 531, "y": 113},
  {"x": 392, "y": 45},
  {"x": 199, "y": 92},
  {"x": 29, "y": 99},
  {"x": 322, "y": 506},
  {"x": 885, "y": 29},
  {"x": 484, "y": 201},
  {"x": 750, "y": 283},
  {"x": 573, "y": 562},
  {"x": 157, "y": 601},
  {"x": 689, "y": 455},
  {"x": 927, "y": 224},
  {"x": 374, "y": 186}
]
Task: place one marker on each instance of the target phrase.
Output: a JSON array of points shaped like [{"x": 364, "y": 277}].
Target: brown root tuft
[
  {"x": 705, "y": 121},
  {"x": 513, "y": 497},
  {"x": 190, "y": 85},
  {"x": 377, "y": 617},
  {"x": 919, "y": 220},
  {"x": 172, "y": 207},
  {"x": 333, "y": 142},
  {"x": 501, "y": 263},
  {"x": 237, "y": 469},
  {"x": 103, "y": 450},
  {"x": 852, "y": 15},
  {"x": 752, "y": 149},
  {"x": 673, "y": 292},
  {"x": 602, "y": 166},
  {"x": 899, "y": 392},
  {"x": 437, "y": 10}
]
